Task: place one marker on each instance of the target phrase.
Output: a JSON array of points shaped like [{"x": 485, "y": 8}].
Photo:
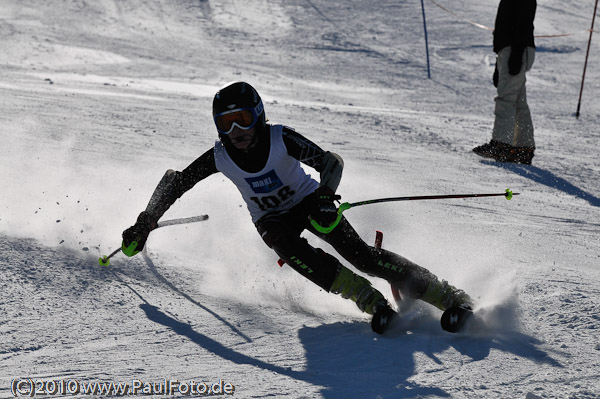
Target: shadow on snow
[
  {"x": 547, "y": 178},
  {"x": 345, "y": 359},
  {"x": 340, "y": 356},
  {"x": 349, "y": 360}
]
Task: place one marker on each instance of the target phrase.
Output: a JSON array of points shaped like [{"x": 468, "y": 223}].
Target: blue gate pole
[{"x": 426, "y": 41}]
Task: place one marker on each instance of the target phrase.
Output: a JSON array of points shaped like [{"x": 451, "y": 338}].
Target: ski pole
[
  {"x": 508, "y": 194},
  {"x": 105, "y": 260}
]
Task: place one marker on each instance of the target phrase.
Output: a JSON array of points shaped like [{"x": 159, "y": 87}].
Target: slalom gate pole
[
  {"x": 105, "y": 260},
  {"x": 426, "y": 41},
  {"x": 587, "y": 53},
  {"x": 508, "y": 194}
]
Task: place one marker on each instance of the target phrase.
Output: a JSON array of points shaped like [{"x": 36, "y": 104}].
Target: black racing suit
[{"x": 281, "y": 230}]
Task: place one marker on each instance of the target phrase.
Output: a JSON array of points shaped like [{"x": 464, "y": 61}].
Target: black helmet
[{"x": 241, "y": 102}]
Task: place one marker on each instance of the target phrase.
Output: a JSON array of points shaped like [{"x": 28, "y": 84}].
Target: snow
[{"x": 100, "y": 98}]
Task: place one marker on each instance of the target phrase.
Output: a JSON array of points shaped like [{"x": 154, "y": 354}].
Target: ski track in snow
[{"x": 98, "y": 99}]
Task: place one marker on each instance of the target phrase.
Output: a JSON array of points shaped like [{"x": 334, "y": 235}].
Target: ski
[
  {"x": 454, "y": 319},
  {"x": 382, "y": 318}
]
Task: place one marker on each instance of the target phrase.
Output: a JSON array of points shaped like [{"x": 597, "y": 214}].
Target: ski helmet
[{"x": 238, "y": 104}]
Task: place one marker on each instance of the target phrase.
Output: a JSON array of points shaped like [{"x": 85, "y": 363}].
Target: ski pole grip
[
  {"x": 131, "y": 249},
  {"x": 328, "y": 229}
]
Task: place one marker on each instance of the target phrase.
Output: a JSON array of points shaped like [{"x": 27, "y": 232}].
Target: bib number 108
[{"x": 273, "y": 201}]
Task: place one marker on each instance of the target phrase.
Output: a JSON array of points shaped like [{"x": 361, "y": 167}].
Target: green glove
[{"x": 134, "y": 238}]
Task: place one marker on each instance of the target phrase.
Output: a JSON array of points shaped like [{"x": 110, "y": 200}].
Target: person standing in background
[{"x": 512, "y": 136}]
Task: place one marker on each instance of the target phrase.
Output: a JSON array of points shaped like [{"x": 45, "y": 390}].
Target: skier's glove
[
  {"x": 323, "y": 210},
  {"x": 515, "y": 60},
  {"x": 134, "y": 238}
]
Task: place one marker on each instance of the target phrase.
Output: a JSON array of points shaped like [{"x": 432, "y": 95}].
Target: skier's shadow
[
  {"x": 161, "y": 317},
  {"x": 348, "y": 360},
  {"x": 547, "y": 178},
  {"x": 160, "y": 277},
  {"x": 213, "y": 345}
]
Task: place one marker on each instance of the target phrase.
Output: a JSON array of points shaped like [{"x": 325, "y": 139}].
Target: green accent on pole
[
  {"x": 130, "y": 250},
  {"x": 104, "y": 261},
  {"x": 328, "y": 229},
  {"x": 508, "y": 194}
]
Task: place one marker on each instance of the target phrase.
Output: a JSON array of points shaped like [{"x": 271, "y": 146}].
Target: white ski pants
[{"x": 513, "y": 124}]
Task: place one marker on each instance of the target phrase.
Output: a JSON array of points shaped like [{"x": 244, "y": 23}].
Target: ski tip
[
  {"x": 104, "y": 261},
  {"x": 453, "y": 319},
  {"x": 383, "y": 319}
]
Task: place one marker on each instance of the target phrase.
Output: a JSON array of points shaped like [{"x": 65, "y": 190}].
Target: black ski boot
[
  {"x": 453, "y": 319},
  {"x": 382, "y": 317}
]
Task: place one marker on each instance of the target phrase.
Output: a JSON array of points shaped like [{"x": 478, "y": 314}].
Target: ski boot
[
  {"x": 456, "y": 304},
  {"x": 358, "y": 289},
  {"x": 444, "y": 296},
  {"x": 383, "y": 317}
]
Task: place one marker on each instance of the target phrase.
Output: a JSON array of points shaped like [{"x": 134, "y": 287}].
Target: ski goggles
[{"x": 244, "y": 118}]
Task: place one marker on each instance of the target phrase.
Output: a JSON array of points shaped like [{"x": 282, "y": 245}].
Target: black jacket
[
  {"x": 514, "y": 24},
  {"x": 174, "y": 184}
]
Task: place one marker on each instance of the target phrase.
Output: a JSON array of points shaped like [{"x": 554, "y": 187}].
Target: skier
[{"x": 263, "y": 161}]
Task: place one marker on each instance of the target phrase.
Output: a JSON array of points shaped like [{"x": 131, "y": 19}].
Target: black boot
[
  {"x": 522, "y": 155},
  {"x": 494, "y": 149},
  {"x": 383, "y": 317},
  {"x": 454, "y": 319}
]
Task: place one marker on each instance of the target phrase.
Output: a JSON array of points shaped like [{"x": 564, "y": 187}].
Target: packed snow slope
[{"x": 99, "y": 98}]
